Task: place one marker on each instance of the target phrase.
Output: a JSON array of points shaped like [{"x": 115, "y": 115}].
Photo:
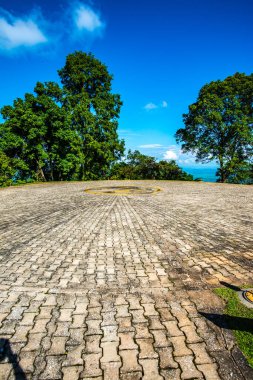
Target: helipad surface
[{"x": 120, "y": 287}]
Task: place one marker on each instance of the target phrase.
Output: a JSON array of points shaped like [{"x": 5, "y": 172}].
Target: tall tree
[
  {"x": 63, "y": 132},
  {"x": 36, "y": 136},
  {"x": 219, "y": 126},
  {"x": 94, "y": 112}
]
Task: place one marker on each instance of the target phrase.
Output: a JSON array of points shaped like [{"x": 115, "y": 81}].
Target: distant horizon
[{"x": 206, "y": 174}]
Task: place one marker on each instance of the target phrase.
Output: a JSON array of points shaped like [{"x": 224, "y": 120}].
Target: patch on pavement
[{"x": 122, "y": 190}]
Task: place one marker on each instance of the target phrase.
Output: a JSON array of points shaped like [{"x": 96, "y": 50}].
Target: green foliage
[
  {"x": 235, "y": 308},
  {"x": 140, "y": 166},
  {"x": 6, "y": 170},
  {"x": 94, "y": 111},
  {"x": 219, "y": 127},
  {"x": 66, "y": 132}
]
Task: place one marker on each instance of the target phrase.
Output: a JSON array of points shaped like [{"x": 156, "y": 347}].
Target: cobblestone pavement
[{"x": 120, "y": 287}]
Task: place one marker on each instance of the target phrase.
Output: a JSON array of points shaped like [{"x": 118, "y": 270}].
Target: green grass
[{"x": 243, "y": 332}]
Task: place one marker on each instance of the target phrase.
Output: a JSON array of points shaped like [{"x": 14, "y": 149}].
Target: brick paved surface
[{"x": 120, "y": 287}]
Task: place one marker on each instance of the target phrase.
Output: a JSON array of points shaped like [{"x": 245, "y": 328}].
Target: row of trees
[
  {"x": 66, "y": 132},
  {"x": 69, "y": 131},
  {"x": 140, "y": 166}
]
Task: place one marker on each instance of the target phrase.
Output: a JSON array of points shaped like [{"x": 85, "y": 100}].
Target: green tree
[
  {"x": 143, "y": 167},
  {"x": 93, "y": 112},
  {"x": 170, "y": 170},
  {"x": 140, "y": 166},
  {"x": 6, "y": 170},
  {"x": 218, "y": 126},
  {"x": 64, "y": 132},
  {"x": 36, "y": 135}
]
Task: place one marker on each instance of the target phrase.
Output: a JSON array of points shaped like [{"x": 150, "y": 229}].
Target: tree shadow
[
  {"x": 230, "y": 286},
  {"x": 229, "y": 322},
  {"x": 6, "y": 354},
  {"x": 225, "y": 321}
]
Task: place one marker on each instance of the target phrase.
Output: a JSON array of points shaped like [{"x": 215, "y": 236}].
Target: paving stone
[
  {"x": 28, "y": 319},
  {"x": 62, "y": 328},
  {"x": 74, "y": 355},
  {"x": 172, "y": 328},
  {"x": 92, "y": 344},
  {"x": 189, "y": 371},
  {"x": 110, "y": 352},
  {"x": 127, "y": 341},
  {"x": 146, "y": 349},
  {"x": 129, "y": 360},
  {"x": 191, "y": 335},
  {"x": 26, "y": 361},
  {"x": 125, "y": 324},
  {"x": 5, "y": 370},
  {"x": 110, "y": 334},
  {"x": 40, "y": 326},
  {"x": 160, "y": 338},
  {"x": 180, "y": 348},
  {"x": 110, "y": 370},
  {"x": 201, "y": 356},
  {"x": 166, "y": 358},
  {"x": 150, "y": 369},
  {"x": 34, "y": 341},
  {"x": 171, "y": 374},
  {"x": 58, "y": 346},
  {"x": 142, "y": 331},
  {"x": 71, "y": 373},
  {"x": 92, "y": 367},
  {"x": 209, "y": 371},
  {"x": 155, "y": 323},
  {"x": 165, "y": 314},
  {"x": 53, "y": 368},
  {"x": 131, "y": 376},
  {"x": 96, "y": 287}
]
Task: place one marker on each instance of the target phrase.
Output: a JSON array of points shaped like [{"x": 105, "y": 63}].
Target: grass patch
[{"x": 244, "y": 333}]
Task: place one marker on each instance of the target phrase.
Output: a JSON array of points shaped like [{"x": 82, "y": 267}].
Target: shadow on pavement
[
  {"x": 230, "y": 286},
  {"x": 7, "y": 355},
  {"x": 225, "y": 321}
]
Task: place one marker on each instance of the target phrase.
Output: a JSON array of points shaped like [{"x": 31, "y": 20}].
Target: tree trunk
[
  {"x": 222, "y": 171},
  {"x": 40, "y": 173}
]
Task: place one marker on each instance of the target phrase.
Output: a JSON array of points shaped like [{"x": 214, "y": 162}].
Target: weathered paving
[{"x": 120, "y": 286}]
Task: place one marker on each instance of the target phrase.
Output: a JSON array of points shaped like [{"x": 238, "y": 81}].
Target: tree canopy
[
  {"x": 140, "y": 166},
  {"x": 63, "y": 132},
  {"x": 219, "y": 126}
]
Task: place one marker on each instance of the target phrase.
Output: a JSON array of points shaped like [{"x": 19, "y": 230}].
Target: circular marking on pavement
[
  {"x": 246, "y": 297},
  {"x": 122, "y": 190}
]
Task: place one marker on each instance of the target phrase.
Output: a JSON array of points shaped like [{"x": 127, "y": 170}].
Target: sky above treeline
[{"x": 160, "y": 53}]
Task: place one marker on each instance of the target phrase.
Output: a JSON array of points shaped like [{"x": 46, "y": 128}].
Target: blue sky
[{"x": 160, "y": 53}]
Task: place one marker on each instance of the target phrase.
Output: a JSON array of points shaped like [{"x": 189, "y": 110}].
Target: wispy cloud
[
  {"x": 150, "y": 146},
  {"x": 87, "y": 19},
  {"x": 22, "y": 32},
  {"x": 16, "y": 32},
  {"x": 152, "y": 106}
]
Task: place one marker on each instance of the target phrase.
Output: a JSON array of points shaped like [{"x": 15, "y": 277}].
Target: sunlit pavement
[{"x": 119, "y": 286}]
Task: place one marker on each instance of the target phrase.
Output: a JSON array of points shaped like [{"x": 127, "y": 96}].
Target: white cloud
[
  {"x": 170, "y": 155},
  {"x": 174, "y": 152},
  {"x": 150, "y": 106},
  {"x": 16, "y": 33},
  {"x": 150, "y": 146},
  {"x": 87, "y": 19},
  {"x": 153, "y": 106}
]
